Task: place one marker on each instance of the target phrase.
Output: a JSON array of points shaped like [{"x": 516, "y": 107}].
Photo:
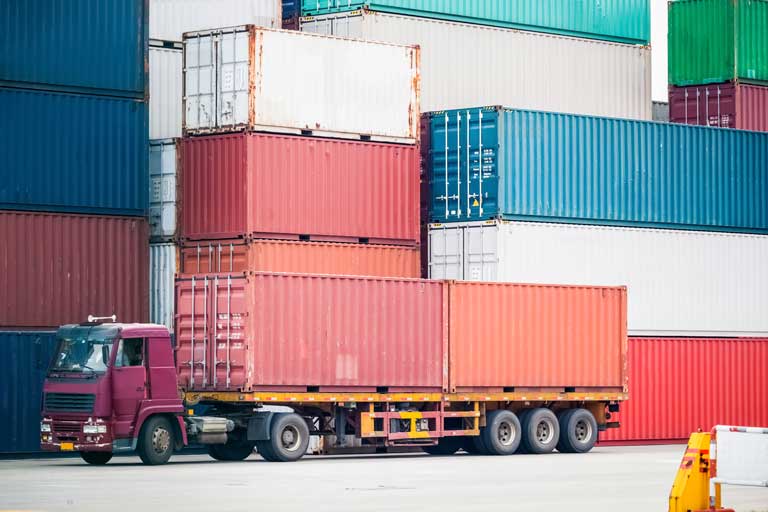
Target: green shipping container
[
  {"x": 713, "y": 41},
  {"x": 622, "y": 21}
]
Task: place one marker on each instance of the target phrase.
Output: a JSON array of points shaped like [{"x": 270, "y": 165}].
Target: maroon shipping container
[
  {"x": 277, "y": 186},
  {"x": 727, "y": 105},
  {"x": 678, "y": 385},
  {"x": 58, "y": 269},
  {"x": 290, "y": 332}
]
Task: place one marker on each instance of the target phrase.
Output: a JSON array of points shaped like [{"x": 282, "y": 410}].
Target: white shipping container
[
  {"x": 165, "y": 89},
  {"x": 288, "y": 81},
  {"x": 169, "y": 19},
  {"x": 464, "y": 65},
  {"x": 680, "y": 283},
  {"x": 162, "y": 189},
  {"x": 162, "y": 270}
]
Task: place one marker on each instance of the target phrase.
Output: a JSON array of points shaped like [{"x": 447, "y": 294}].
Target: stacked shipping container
[{"x": 73, "y": 184}]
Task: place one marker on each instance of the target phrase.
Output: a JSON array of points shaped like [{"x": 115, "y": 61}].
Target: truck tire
[
  {"x": 501, "y": 435},
  {"x": 541, "y": 431},
  {"x": 156, "y": 441},
  {"x": 96, "y": 458},
  {"x": 477, "y": 444},
  {"x": 444, "y": 446},
  {"x": 471, "y": 446},
  {"x": 289, "y": 438},
  {"x": 578, "y": 431},
  {"x": 521, "y": 415},
  {"x": 232, "y": 451},
  {"x": 265, "y": 450}
]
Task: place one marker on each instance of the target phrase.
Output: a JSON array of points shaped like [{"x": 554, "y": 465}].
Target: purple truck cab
[{"x": 111, "y": 388}]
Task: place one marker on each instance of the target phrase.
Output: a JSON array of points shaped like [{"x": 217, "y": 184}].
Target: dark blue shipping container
[
  {"x": 93, "y": 46},
  {"x": 73, "y": 153},
  {"x": 492, "y": 162},
  {"x": 24, "y": 359}
]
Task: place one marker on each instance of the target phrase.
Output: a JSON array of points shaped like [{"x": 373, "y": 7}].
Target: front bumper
[{"x": 67, "y": 435}]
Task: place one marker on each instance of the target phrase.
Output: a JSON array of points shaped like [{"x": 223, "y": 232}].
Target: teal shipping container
[
  {"x": 86, "y": 46},
  {"x": 24, "y": 360},
  {"x": 621, "y": 21},
  {"x": 491, "y": 162}
]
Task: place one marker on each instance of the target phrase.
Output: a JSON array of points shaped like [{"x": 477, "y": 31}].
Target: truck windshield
[{"x": 82, "y": 355}]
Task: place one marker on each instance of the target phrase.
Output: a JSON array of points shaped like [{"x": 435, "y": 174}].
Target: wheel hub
[
  {"x": 583, "y": 431},
  {"x": 506, "y": 433},
  {"x": 161, "y": 439},
  {"x": 544, "y": 432},
  {"x": 290, "y": 438}
]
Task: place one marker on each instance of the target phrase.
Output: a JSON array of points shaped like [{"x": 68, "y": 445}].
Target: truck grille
[
  {"x": 67, "y": 426},
  {"x": 69, "y": 402}
]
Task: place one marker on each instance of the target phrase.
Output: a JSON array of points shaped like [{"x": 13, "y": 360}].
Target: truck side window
[{"x": 130, "y": 352}]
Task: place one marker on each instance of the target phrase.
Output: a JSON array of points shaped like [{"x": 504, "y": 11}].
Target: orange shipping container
[
  {"x": 525, "y": 336},
  {"x": 300, "y": 258}
]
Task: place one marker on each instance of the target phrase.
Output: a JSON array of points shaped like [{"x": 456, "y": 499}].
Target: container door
[
  {"x": 228, "y": 344},
  {"x": 446, "y": 254},
  {"x": 192, "y": 320},
  {"x": 481, "y": 252},
  {"x": 162, "y": 202},
  {"x": 233, "y": 55},
  {"x": 464, "y": 165},
  {"x": 199, "y": 82},
  {"x": 320, "y": 25}
]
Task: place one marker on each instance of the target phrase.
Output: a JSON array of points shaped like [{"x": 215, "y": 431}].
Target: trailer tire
[
  {"x": 265, "y": 450},
  {"x": 444, "y": 446},
  {"x": 232, "y": 451},
  {"x": 156, "y": 441},
  {"x": 96, "y": 458},
  {"x": 289, "y": 438},
  {"x": 541, "y": 431},
  {"x": 470, "y": 445},
  {"x": 479, "y": 444},
  {"x": 578, "y": 431},
  {"x": 502, "y": 432},
  {"x": 522, "y": 415}
]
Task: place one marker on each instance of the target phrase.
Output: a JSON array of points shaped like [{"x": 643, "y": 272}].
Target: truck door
[{"x": 129, "y": 383}]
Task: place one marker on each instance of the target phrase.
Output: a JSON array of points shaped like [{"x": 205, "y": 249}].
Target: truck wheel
[
  {"x": 578, "y": 431},
  {"x": 156, "y": 441},
  {"x": 444, "y": 446},
  {"x": 289, "y": 438},
  {"x": 541, "y": 431},
  {"x": 470, "y": 445},
  {"x": 265, "y": 450},
  {"x": 231, "y": 451},
  {"x": 96, "y": 458},
  {"x": 502, "y": 432}
]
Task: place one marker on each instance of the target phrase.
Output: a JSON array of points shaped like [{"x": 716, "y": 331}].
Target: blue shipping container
[
  {"x": 88, "y": 46},
  {"x": 493, "y": 162},
  {"x": 73, "y": 153},
  {"x": 24, "y": 359}
]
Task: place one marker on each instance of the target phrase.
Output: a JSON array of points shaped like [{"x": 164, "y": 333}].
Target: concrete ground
[{"x": 610, "y": 478}]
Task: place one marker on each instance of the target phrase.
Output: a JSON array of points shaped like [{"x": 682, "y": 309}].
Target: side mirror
[{"x": 105, "y": 354}]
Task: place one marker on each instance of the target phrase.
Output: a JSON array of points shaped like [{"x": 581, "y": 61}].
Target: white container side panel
[
  {"x": 165, "y": 92},
  {"x": 680, "y": 283},
  {"x": 162, "y": 269},
  {"x": 332, "y": 85},
  {"x": 169, "y": 19},
  {"x": 162, "y": 189},
  {"x": 464, "y": 65}
]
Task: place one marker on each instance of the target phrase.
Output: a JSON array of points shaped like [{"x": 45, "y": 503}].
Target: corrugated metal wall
[
  {"x": 165, "y": 89},
  {"x": 625, "y": 21},
  {"x": 678, "y": 385},
  {"x": 24, "y": 359},
  {"x": 465, "y": 65},
  {"x": 171, "y": 18},
  {"x": 57, "y": 269},
  {"x": 566, "y": 168},
  {"x": 728, "y": 105},
  {"x": 88, "y": 46},
  {"x": 73, "y": 153},
  {"x": 162, "y": 271}
]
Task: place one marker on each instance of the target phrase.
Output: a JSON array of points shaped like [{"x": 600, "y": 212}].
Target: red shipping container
[
  {"x": 300, "y": 258},
  {"x": 286, "y": 332},
  {"x": 727, "y": 105},
  {"x": 277, "y": 186},
  {"x": 58, "y": 269},
  {"x": 537, "y": 336},
  {"x": 678, "y": 385}
]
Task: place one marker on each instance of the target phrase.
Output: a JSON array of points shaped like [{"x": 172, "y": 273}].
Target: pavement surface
[{"x": 609, "y": 478}]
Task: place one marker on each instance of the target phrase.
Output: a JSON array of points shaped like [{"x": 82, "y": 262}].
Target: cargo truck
[{"x": 490, "y": 368}]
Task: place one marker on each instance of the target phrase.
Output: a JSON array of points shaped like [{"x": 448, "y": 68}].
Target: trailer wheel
[
  {"x": 444, "y": 446},
  {"x": 289, "y": 438},
  {"x": 478, "y": 444},
  {"x": 578, "y": 431},
  {"x": 264, "y": 449},
  {"x": 231, "y": 451},
  {"x": 470, "y": 445},
  {"x": 502, "y": 432},
  {"x": 156, "y": 441},
  {"x": 541, "y": 431},
  {"x": 96, "y": 458}
]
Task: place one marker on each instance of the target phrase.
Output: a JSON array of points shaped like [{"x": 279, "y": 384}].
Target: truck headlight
[
  {"x": 45, "y": 427},
  {"x": 94, "y": 429}
]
